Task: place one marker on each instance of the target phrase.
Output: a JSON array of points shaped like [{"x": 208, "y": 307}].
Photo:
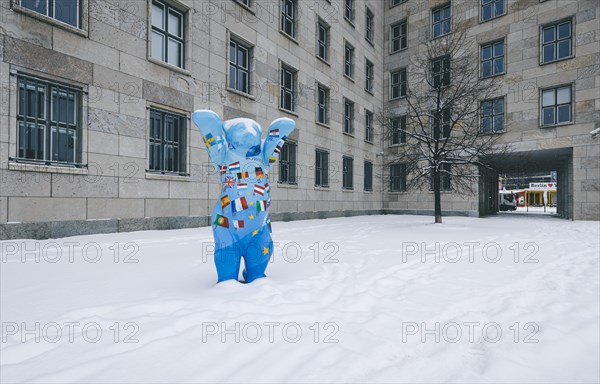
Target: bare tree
[{"x": 438, "y": 123}]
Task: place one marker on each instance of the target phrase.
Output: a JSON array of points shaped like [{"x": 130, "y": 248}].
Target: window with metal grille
[
  {"x": 399, "y": 36},
  {"x": 239, "y": 66},
  {"x": 491, "y": 9},
  {"x": 288, "y": 89},
  {"x": 398, "y": 177},
  {"x": 321, "y": 168},
  {"x": 368, "y": 182},
  {"x": 168, "y": 31},
  {"x": 557, "y": 105},
  {"x": 441, "y": 20},
  {"x": 398, "y": 84},
  {"x": 441, "y": 123},
  {"x": 347, "y": 172},
  {"x": 369, "y": 126},
  {"x": 440, "y": 71},
  {"x": 492, "y": 59},
  {"x": 322, "y": 104},
  {"x": 48, "y": 121},
  {"x": 369, "y": 76},
  {"x": 287, "y": 163},
  {"x": 323, "y": 40},
  {"x": 557, "y": 41},
  {"x": 348, "y": 117},
  {"x": 348, "y": 60},
  {"x": 167, "y": 147},
  {"x": 370, "y": 26},
  {"x": 492, "y": 115},
  {"x": 66, "y": 11},
  {"x": 288, "y": 17},
  {"x": 398, "y": 128}
]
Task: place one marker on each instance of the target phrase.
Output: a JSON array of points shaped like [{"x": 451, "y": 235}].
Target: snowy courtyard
[{"x": 364, "y": 299}]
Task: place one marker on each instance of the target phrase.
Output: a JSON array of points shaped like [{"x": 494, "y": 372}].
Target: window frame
[
  {"x": 369, "y": 128},
  {"x": 401, "y": 85},
  {"x": 286, "y": 18},
  {"x": 349, "y": 118},
  {"x": 349, "y": 11},
  {"x": 445, "y": 179},
  {"x": 290, "y": 165},
  {"x": 445, "y": 70},
  {"x": 395, "y": 3},
  {"x": 349, "y": 60},
  {"x": 398, "y": 177},
  {"x": 321, "y": 171},
  {"x": 439, "y": 129},
  {"x": 169, "y": 6},
  {"x": 369, "y": 26},
  {"x": 441, "y": 8},
  {"x": 492, "y": 44},
  {"x": 401, "y": 133},
  {"x": 283, "y": 91},
  {"x": 492, "y": 115},
  {"x": 556, "y": 41},
  {"x": 239, "y": 42},
  {"x": 401, "y": 37},
  {"x": 182, "y": 143},
  {"x": 369, "y": 76},
  {"x": 82, "y": 27},
  {"x": 323, "y": 104},
  {"x": 347, "y": 173},
  {"x": 368, "y": 176},
  {"x": 556, "y": 105},
  {"x": 494, "y": 16},
  {"x": 323, "y": 44}
]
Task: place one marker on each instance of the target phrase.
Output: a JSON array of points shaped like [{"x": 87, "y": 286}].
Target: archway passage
[{"x": 539, "y": 181}]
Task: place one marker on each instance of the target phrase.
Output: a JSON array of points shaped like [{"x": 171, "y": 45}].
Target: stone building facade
[{"x": 95, "y": 135}]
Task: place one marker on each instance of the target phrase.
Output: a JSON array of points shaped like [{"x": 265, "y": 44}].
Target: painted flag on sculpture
[
  {"x": 237, "y": 224},
  {"x": 272, "y": 159},
  {"x": 243, "y": 175},
  {"x": 221, "y": 221},
  {"x": 261, "y": 206},
  {"x": 259, "y": 173},
  {"x": 239, "y": 204},
  {"x": 260, "y": 190},
  {"x": 274, "y": 134},
  {"x": 235, "y": 167},
  {"x": 229, "y": 182},
  {"x": 208, "y": 140},
  {"x": 267, "y": 188},
  {"x": 242, "y": 187},
  {"x": 225, "y": 201},
  {"x": 223, "y": 169},
  {"x": 219, "y": 142}
]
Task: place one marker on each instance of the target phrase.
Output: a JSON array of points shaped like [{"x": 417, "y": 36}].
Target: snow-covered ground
[{"x": 363, "y": 299}]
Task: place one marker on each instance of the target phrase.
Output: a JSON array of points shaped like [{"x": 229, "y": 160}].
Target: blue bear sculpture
[{"x": 240, "y": 219}]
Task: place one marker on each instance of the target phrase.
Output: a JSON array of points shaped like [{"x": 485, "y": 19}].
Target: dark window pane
[
  {"x": 564, "y": 49},
  {"x": 564, "y": 30},
  {"x": 548, "y": 34},
  {"x": 564, "y": 113},
  {"x": 67, "y": 11},
  {"x": 548, "y": 52},
  {"x": 548, "y": 114},
  {"x": 35, "y": 5}
]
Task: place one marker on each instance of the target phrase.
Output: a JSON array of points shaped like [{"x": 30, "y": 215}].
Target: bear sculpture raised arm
[{"x": 240, "y": 218}]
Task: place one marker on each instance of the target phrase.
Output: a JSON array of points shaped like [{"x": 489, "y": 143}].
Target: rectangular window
[
  {"x": 370, "y": 26},
  {"x": 393, "y": 3},
  {"x": 288, "y": 17},
  {"x": 492, "y": 115},
  {"x": 349, "y": 10},
  {"x": 441, "y": 123},
  {"x": 321, "y": 168},
  {"x": 492, "y": 59},
  {"x": 557, "y": 105},
  {"x": 288, "y": 89},
  {"x": 287, "y": 163},
  {"x": 66, "y": 11},
  {"x": 368, "y": 182},
  {"x": 491, "y": 9},
  {"x": 239, "y": 66},
  {"x": 398, "y": 128},
  {"x": 347, "y": 172},
  {"x": 323, "y": 40},
  {"x": 398, "y": 177},
  {"x": 369, "y": 126},
  {"x": 348, "y": 117},
  {"x": 440, "y": 71},
  {"x": 398, "y": 84},
  {"x": 444, "y": 178},
  {"x": 48, "y": 121},
  {"x": 557, "y": 41},
  {"x": 369, "y": 76},
  {"x": 247, "y": 3},
  {"x": 168, "y": 31},
  {"x": 441, "y": 20},
  {"x": 322, "y": 104},
  {"x": 167, "y": 142},
  {"x": 399, "y": 36},
  {"x": 348, "y": 60}
]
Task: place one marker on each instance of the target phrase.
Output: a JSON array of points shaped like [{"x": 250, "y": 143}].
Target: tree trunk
[{"x": 437, "y": 196}]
